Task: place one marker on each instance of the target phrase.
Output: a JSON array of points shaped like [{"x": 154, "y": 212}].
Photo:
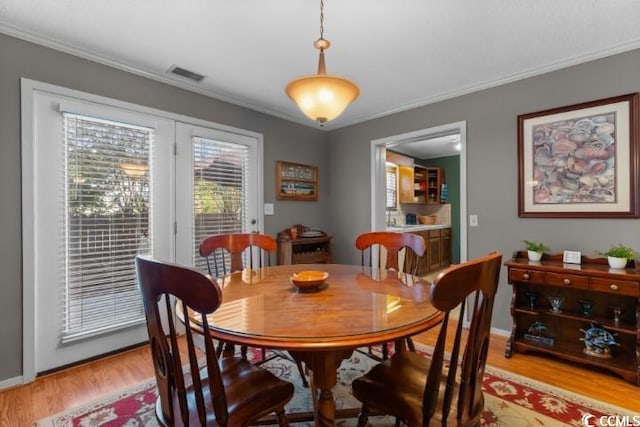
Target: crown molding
[
  {"x": 133, "y": 69},
  {"x": 554, "y": 66},
  {"x": 51, "y": 43}
]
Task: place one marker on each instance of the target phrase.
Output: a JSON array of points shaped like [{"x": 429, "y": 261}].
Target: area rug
[{"x": 510, "y": 400}]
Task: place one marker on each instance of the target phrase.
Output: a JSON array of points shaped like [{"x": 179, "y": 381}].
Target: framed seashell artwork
[{"x": 578, "y": 161}]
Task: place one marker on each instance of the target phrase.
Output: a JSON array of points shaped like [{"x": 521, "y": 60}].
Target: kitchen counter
[{"x": 417, "y": 227}]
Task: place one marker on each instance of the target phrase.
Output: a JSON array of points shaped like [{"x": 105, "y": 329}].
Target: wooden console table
[
  {"x": 304, "y": 250},
  {"x": 591, "y": 282}
]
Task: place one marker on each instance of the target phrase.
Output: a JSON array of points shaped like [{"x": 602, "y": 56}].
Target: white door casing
[{"x": 48, "y": 181}]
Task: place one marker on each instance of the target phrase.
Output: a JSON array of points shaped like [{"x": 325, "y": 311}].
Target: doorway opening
[{"x": 416, "y": 138}]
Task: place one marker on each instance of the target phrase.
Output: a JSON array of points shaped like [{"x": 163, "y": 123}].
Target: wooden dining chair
[
  {"x": 228, "y": 253},
  {"x": 369, "y": 243},
  {"x": 203, "y": 390},
  {"x": 430, "y": 391}
]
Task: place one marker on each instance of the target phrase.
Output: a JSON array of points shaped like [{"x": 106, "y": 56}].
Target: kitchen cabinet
[
  {"x": 434, "y": 181},
  {"x": 420, "y": 184},
  {"x": 591, "y": 296},
  {"x": 405, "y": 175},
  {"x": 405, "y": 184},
  {"x": 445, "y": 247},
  {"x": 438, "y": 250},
  {"x": 416, "y": 183}
]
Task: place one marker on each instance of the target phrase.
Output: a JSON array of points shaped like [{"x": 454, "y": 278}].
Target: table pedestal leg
[
  {"x": 326, "y": 409},
  {"x": 324, "y": 371}
]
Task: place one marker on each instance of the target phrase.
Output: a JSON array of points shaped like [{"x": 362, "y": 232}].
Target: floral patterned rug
[{"x": 510, "y": 400}]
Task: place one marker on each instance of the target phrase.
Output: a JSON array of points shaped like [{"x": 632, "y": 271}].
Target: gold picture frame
[
  {"x": 296, "y": 181},
  {"x": 580, "y": 161}
]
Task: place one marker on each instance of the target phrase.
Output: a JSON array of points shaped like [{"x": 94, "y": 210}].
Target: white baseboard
[
  {"x": 11, "y": 382},
  {"x": 500, "y": 332}
]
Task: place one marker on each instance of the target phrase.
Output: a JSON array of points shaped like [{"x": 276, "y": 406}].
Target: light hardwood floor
[{"x": 53, "y": 393}]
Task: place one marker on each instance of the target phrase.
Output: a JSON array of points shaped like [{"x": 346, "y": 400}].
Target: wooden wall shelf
[{"x": 303, "y": 250}]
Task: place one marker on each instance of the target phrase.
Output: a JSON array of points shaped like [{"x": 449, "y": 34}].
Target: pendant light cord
[{"x": 321, "y": 19}]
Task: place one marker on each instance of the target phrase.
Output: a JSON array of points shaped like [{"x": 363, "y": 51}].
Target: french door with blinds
[
  {"x": 99, "y": 199},
  {"x": 216, "y": 188},
  {"x": 105, "y": 181}
]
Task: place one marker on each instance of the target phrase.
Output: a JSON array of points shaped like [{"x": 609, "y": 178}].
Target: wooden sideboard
[
  {"x": 303, "y": 250},
  {"x": 591, "y": 284}
]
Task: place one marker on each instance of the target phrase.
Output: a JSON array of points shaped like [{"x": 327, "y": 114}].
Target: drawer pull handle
[
  {"x": 566, "y": 281},
  {"x": 526, "y": 276},
  {"x": 613, "y": 287}
]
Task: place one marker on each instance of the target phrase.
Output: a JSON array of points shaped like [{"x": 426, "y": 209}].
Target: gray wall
[
  {"x": 283, "y": 140},
  {"x": 492, "y": 172},
  {"x": 342, "y": 157}
]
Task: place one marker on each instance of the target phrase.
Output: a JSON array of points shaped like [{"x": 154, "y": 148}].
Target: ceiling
[
  {"x": 429, "y": 148},
  {"x": 402, "y": 53}
]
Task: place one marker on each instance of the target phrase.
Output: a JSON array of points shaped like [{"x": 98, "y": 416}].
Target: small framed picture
[
  {"x": 571, "y": 257},
  {"x": 296, "y": 181}
]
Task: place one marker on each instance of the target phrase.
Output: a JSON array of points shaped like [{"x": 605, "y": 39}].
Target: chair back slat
[
  {"x": 475, "y": 281},
  {"x": 226, "y": 252},
  {"x": 195, "y": 371},
  {"x": 393, "y": 243}
]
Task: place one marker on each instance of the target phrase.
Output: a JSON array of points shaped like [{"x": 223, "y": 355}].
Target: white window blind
[
  {"x": 106, "y": 223},
  {"x": 220, "y": 194},
  {"x": 392, "y": 187}
]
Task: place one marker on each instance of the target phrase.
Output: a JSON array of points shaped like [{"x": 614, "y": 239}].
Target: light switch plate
[
  {"x": 268, "y": 209},
  {"x": 473, "y": 220}
]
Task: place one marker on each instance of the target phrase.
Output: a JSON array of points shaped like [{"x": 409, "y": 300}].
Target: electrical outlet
[{"x": 473, "y": 220}]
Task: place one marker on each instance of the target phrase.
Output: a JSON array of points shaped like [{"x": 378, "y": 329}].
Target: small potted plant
[
  {"x": 619, "y": 255},
  {"x": 535, "y": 250}
]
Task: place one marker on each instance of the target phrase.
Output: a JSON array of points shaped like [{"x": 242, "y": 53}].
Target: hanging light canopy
[{"x": 322, "y": 97}]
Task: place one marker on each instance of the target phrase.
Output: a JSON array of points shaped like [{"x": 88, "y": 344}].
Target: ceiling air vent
[{"x": 186, "y": 73}]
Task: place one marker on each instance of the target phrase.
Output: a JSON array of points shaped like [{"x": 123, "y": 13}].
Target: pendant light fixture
[{"x": 322, "y": 97}]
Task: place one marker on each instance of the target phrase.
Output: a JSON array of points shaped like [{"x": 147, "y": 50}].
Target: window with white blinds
[
  {"x": 105, "y": 223},
  {"x": 392, "y": 187},
  {"x": 220, "y": 195}
]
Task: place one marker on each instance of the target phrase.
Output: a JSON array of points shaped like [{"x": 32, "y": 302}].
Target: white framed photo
[{"x": 571, "y": 257}]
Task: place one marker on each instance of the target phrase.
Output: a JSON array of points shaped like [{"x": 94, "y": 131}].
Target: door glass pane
[
  {"x": 106, "y": 223},
  {"x": 220, "y": 193}
]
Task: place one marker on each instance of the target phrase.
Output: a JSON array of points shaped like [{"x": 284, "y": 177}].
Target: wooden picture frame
[
  {"x": 580, "y": 161},
  {"x": 296, "y": 181}
]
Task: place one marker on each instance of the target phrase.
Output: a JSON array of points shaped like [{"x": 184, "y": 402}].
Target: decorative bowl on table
[{"x": 309, "y": 279}]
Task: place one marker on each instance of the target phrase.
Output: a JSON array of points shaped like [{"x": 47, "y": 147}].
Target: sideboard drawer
[
  {"x": 527, "y": 276},
  {"x": 568, "y": 280},
  {"x": 612, "y": 286}
]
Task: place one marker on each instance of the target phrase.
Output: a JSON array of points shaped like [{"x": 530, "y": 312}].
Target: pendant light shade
[{"x": 322, "y": 97}]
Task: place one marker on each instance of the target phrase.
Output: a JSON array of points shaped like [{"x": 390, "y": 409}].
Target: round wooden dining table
[{"x": 356, "y": 306}]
